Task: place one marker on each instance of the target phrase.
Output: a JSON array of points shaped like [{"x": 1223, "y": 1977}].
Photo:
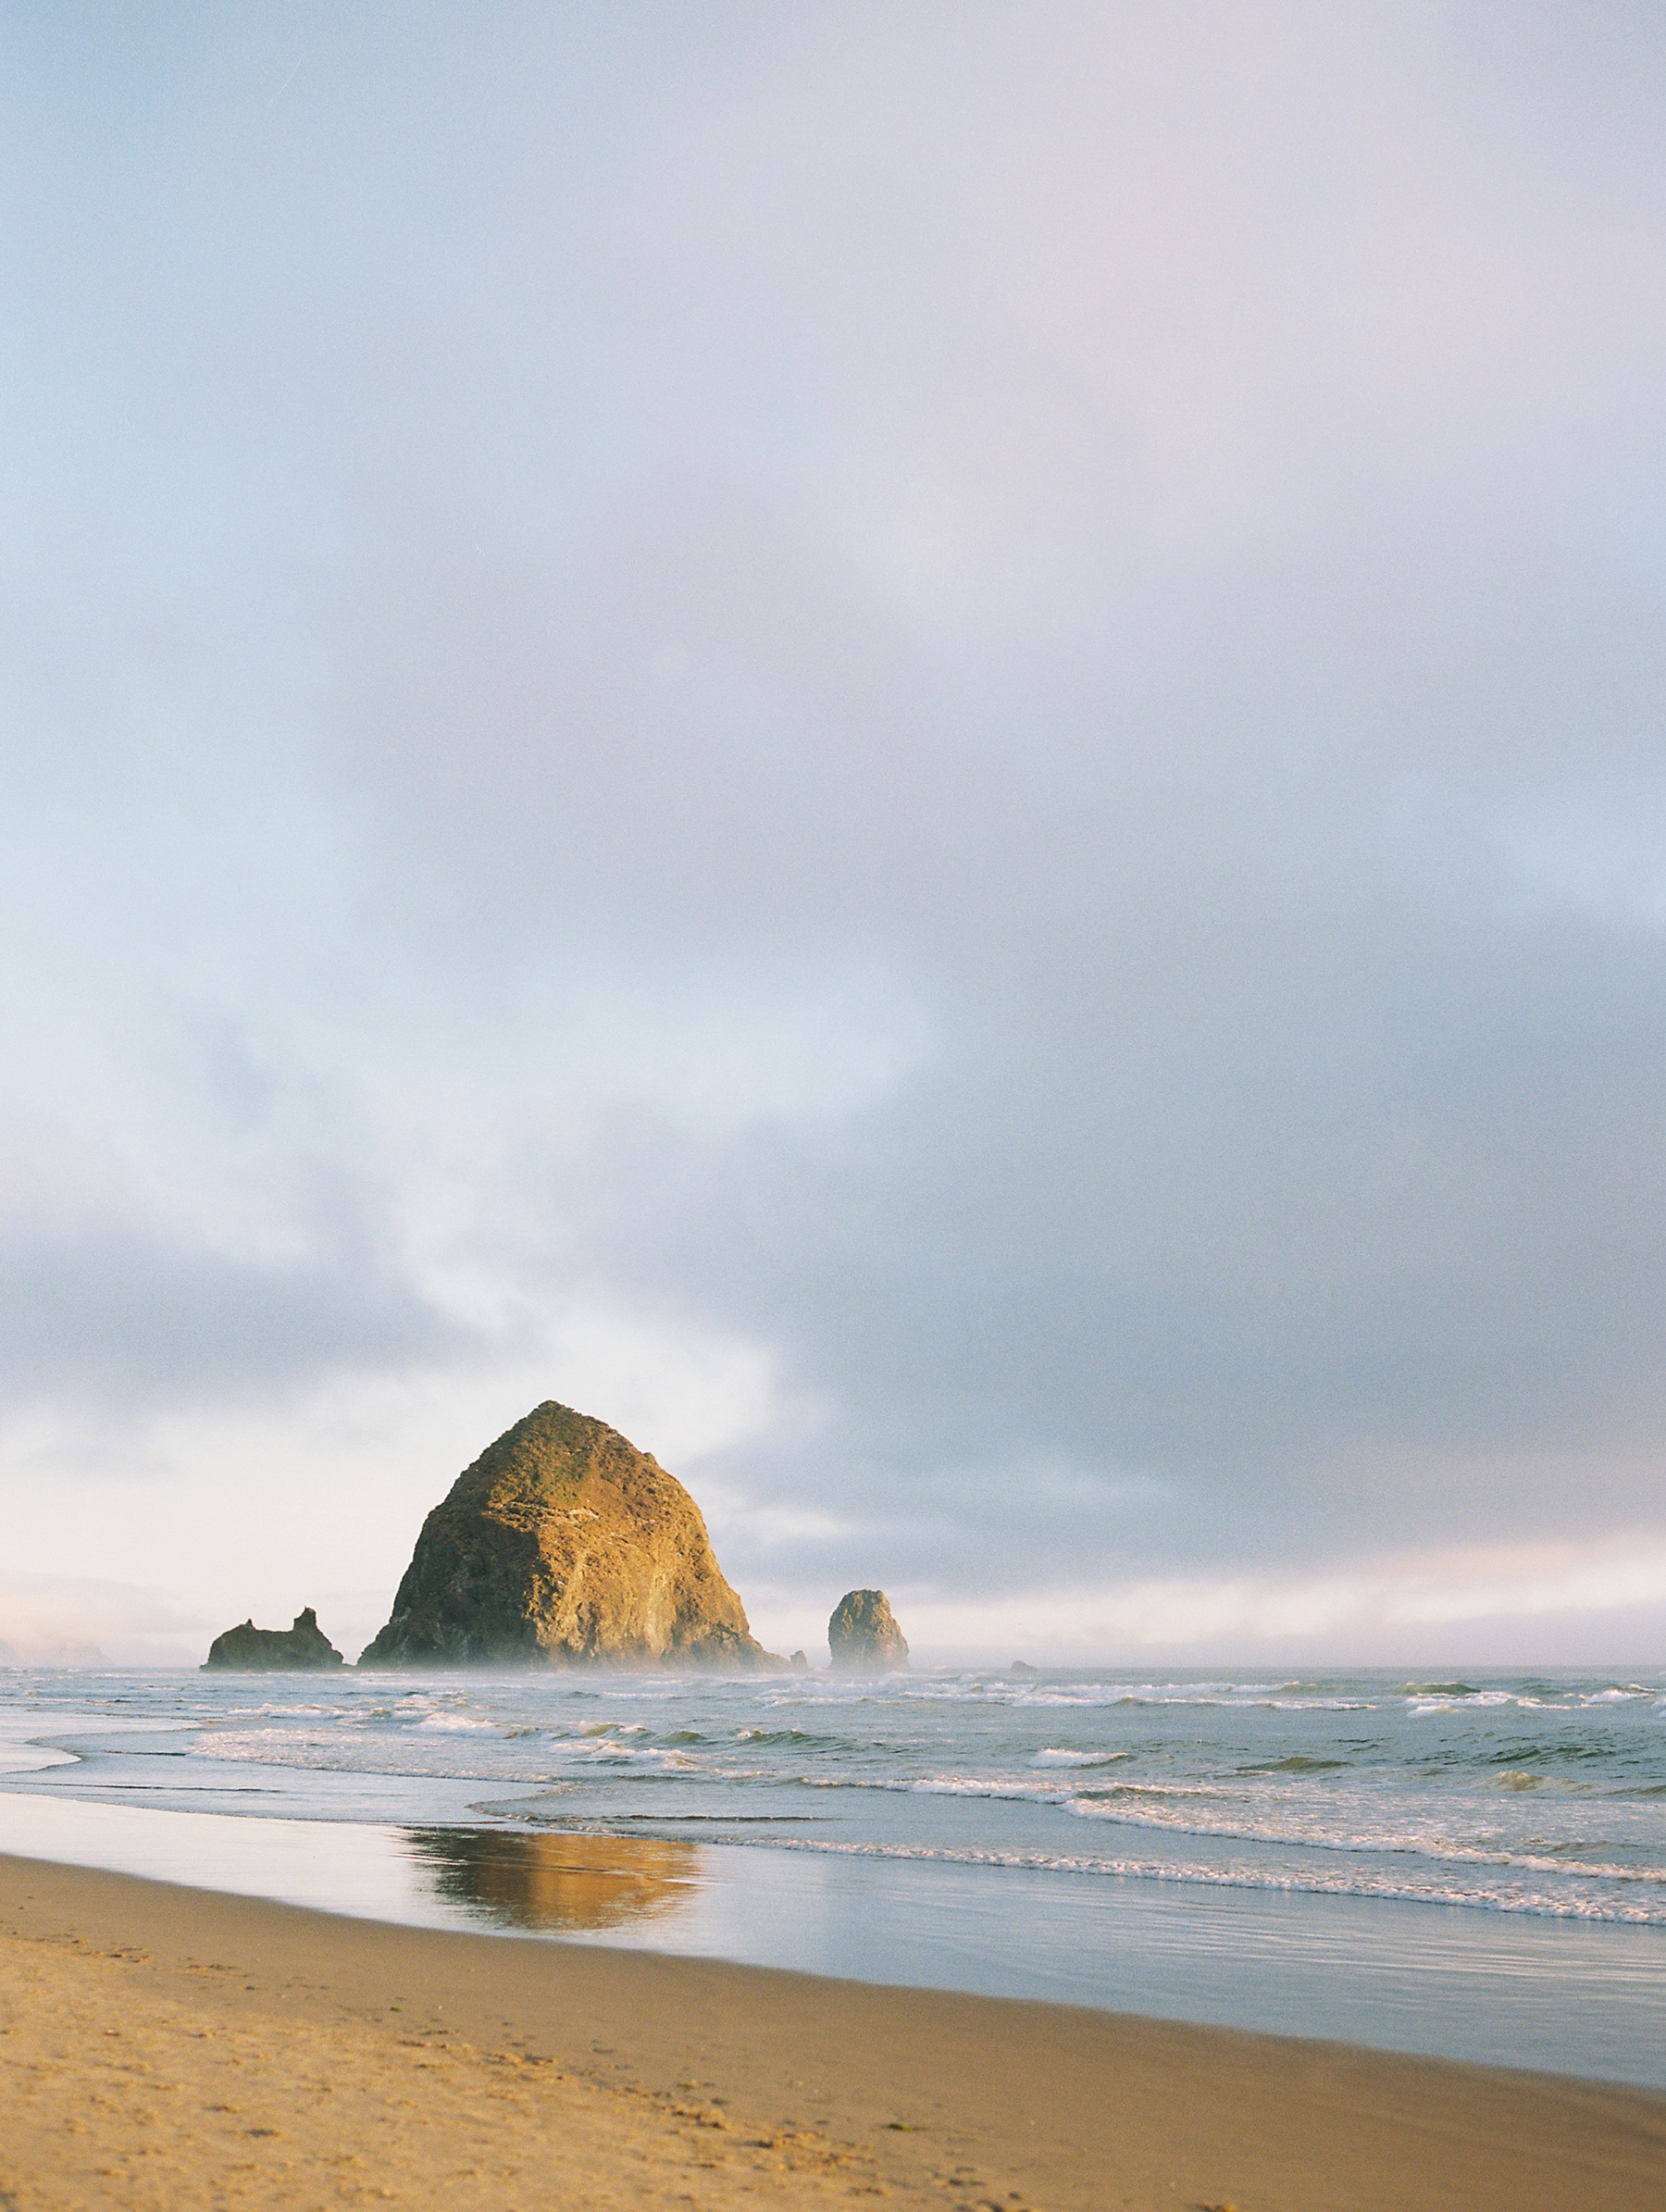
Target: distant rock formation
[
  {"x": 799, "y": 1663},
  {"x": 564, "y": 1546},
  {"x": 1023, "y": 1667},
  {"x": 863, "y": 1634},
  {"x": 252, "y": 1651}
]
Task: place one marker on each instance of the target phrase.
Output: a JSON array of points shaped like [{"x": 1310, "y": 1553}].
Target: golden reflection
[{"x": 555, "y": 1883}]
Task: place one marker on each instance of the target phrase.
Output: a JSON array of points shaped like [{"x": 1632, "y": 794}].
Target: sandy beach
[{"x": 167, "y": 2047}]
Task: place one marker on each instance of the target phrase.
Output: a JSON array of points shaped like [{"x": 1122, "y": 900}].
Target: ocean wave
[
  {"x": 1137, "y": 1810},
  {"x": 1298, "y": 1763},
  {"x": 975, "y": 1785},
  {"x": 794, "y": 1736},
  {"x": 1558, "y": 1904},
  {"x": 651, "y": 1757},
  {"x": 1478, "y": 1700},
  {"x": 1543, "y": 1785},
  {"x": 1077, "y": 1759}
]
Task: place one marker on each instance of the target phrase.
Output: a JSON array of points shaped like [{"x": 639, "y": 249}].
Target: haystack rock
[
  {"x": 252, "y": 1651},
  {"x": 863, "y": 1634},
  {"x": 564, "y": 1546}
]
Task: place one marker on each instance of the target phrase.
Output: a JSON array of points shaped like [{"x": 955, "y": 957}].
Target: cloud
[
  {"x": 1533, "y": 1606},
  {"x": 116, "y": 1320},
  {"x": 965, "y": 705}
]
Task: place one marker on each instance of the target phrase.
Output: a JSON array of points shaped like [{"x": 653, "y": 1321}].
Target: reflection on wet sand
[{"x": 573, "y": 1883}]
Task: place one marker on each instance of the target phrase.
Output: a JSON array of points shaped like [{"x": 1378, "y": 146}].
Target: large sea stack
[
  {"x": 564, "y": 1546},
  {"x": 252, "y": 1651},
  {"x": 863, "y": 1635}
]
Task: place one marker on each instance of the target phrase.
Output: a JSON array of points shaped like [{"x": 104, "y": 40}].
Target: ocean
[{"x": 1473, "y": 1866}]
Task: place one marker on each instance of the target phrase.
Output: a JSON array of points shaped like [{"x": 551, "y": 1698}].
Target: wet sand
[{"x": 168, "y": 2047}]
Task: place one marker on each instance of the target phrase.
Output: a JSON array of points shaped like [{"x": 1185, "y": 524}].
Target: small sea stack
[
  {"x": 863, "y": 1635},
  {"x": 250, "y": 1650}
]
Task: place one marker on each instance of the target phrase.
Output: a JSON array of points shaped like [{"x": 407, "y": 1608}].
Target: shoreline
[
  {"x": 1547, "y": 1996},
  {"x": 697, "y": 2079}
]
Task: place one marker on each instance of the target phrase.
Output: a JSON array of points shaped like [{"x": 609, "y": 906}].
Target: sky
[{"x": 918, "y": 747}]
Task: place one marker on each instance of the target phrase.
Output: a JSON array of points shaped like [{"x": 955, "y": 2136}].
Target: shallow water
[
  {"x": 1533, "y": 1794},
  {"x": 1475, "y": 1868}
]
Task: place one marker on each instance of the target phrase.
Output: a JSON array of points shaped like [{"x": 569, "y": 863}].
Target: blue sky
[{"x": 919, "y": 749}]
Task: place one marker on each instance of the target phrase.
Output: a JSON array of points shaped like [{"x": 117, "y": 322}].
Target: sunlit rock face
[
  {"x": 863, "y": 1634},
  {"x": 565, "y": 1546},
  {"x": 251, "y": 1650}
]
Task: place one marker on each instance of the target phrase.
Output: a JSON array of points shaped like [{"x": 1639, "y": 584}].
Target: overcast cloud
[{"x": 920, "y": 748}]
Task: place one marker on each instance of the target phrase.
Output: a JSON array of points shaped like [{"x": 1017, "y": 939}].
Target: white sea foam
[{"x": 1434, "y": 1890}]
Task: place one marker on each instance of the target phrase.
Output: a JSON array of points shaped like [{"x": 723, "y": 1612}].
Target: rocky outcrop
[
  {"x": 564, "y": 1546},
  {"x": 252, "y": 1651},
  {"x": 863, "y": 1634}
]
